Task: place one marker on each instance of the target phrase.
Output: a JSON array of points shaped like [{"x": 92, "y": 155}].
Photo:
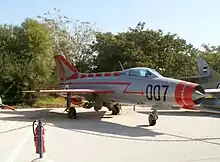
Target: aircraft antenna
[{"x": 121, "y": 65}]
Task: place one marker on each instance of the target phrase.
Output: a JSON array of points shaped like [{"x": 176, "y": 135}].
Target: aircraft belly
[{"x": 136, "y": 99}]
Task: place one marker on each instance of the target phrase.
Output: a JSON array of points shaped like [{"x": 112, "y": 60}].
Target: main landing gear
[
  {"x": 71, "y": 111},
  {"x": 116, "y": 109},
  {"x": 153, "y": 118}
]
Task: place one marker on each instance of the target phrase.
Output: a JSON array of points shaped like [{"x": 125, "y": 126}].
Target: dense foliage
[{"x": 27, "y": 51}]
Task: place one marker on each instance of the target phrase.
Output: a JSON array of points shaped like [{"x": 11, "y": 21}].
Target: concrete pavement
[{"x": 99, "y": 136}]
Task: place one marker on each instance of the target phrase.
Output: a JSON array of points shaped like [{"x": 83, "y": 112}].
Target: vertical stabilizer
[
  {"x": 206, "y": 70},
  {"x": 203, "y": 67},
  {"x": 65, "y": 69}
]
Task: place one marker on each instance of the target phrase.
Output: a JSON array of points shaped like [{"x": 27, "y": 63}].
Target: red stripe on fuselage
[
  {"x": 107, "y": 74},
  {"x": 132, "y": 92},
  {"x": 83, "y": 76},
  {"x": 90, "y": 75},
  {"x": 116, "y": 73},
  {"x": 121, "y": 83},
  {"x": 116, "y": 83},
  {"x": 98, "y": 74}
]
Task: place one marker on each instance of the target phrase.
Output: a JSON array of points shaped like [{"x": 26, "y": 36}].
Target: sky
[{"x": 196, "y": 21}]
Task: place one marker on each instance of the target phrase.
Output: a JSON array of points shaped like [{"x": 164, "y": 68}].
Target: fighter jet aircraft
[
  {"x": 139, "y": 85},
  {"x": 208, "y": 78}
]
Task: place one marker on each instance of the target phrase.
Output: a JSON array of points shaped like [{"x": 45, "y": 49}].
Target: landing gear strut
[
  {"x": 70, "y": 110},
  {"x": 116, "y": 109},
  {"x": 153, "y": 118}
]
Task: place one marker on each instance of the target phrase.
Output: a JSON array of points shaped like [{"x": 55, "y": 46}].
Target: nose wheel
[{"x": 153, "y": 118}]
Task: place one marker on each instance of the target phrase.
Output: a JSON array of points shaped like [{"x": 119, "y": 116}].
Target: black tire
[
  {"x": 151, "y": 120},
  {"x": 72, "y": 113},
  {"x": 87, "y": 105},
  {"x": 96, "y": 109},
  {"x": 218, "y": 86},
  {"x": 116, "y": 109}
]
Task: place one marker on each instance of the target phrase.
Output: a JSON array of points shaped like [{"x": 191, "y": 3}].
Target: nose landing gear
[{"x": 153, "y": 118}]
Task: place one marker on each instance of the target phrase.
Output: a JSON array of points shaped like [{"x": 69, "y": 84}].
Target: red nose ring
[{"x": 183, "y": 94}]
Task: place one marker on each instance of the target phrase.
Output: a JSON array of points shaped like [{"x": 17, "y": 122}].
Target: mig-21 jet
[
  {"x": 208, "y": 78},
  {"x": 135, "y": 86}
]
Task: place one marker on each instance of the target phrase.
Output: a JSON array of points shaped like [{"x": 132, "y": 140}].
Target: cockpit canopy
[{"x": 142, "y": 72}]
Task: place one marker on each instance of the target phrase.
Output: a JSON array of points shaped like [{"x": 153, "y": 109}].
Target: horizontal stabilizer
[{"x": 212, "y": 90}]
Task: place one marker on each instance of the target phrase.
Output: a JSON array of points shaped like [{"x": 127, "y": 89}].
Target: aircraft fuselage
[{"x": 133, "y": 89}]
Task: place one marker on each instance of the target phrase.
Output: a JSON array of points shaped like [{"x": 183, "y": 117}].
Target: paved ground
[{"x": 178, "y": 136}]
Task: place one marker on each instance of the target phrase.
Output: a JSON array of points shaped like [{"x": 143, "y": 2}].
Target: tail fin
[
  {"x": 205, "y": 69},
  {"x": 65, "y": 70}
]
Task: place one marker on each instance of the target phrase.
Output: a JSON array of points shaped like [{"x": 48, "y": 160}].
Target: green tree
[
  {"x": 27, "y": 55},
  {"x": 70, "y": 37},
  {"x": 212, "y": 55},
  {"x": 167, "y": 53}
]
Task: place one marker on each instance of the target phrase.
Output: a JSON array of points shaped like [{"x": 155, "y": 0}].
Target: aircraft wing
[
  {"x": 213, "y": 92},
  {"x": 194, "y": 79},
  {"x": 105, "y": 94},
  {"x": 75, "y": 91},
  {"x": 79, "y": 91}
]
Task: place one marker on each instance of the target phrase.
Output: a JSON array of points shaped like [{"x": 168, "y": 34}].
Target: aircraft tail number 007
[{"x": 154, "y": 92}]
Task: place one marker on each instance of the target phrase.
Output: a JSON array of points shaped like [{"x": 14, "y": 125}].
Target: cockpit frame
[{"x": 141, "y": 72}]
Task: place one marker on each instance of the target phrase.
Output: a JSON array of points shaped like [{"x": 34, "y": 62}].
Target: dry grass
[
  {"x": 50, "y": 102},
  {"x": 46, "y": 102}
]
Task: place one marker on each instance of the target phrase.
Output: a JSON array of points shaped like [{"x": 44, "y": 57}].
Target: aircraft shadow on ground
[
  {"x": 86, "y": 121},
  {"x": 91, "y": 121},
  {"x": 184, "y": 113}
]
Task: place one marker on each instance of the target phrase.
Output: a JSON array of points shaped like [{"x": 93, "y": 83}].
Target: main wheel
[
  {"x": 87, "y": 105},
  {"x": 152, "y": 120},
  {"x": 116, "y": 109},
  {"x": 72, "y": 113}
]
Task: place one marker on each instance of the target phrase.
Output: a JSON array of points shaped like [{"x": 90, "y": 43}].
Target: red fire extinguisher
[{"x": 39, "y": 138}]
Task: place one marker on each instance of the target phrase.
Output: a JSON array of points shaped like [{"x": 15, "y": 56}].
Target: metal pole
[
  {"x": 68, "y": 100},
  {"x": 40, "y": 138}
]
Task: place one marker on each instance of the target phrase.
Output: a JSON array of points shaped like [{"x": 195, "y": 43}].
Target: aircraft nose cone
[{"x": 197, "y": 95}]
